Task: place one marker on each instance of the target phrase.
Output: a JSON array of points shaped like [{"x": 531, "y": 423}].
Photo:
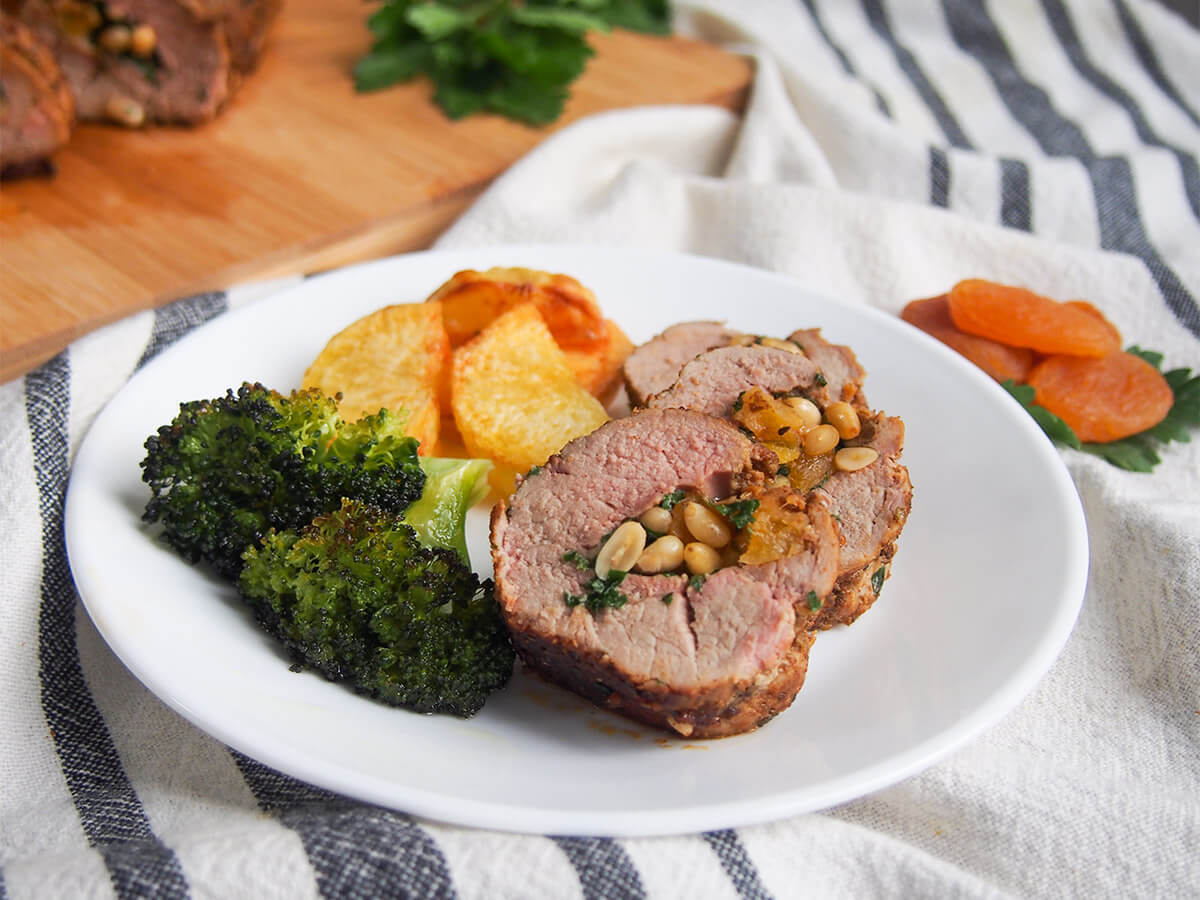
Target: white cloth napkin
[{"x": 890, "y": 148}]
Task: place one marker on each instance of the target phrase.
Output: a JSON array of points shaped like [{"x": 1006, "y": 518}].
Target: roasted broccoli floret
[
  {"x": 228, "y": 470},
  {"x": 357, "y": 597}
]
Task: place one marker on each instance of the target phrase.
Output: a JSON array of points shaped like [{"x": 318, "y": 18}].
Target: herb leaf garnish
[
  {"x": 1139, "y": 452},
  {"x": 514, "y": 58}
]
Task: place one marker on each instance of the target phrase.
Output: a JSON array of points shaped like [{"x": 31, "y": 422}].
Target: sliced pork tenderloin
[
  {"x": 870, "y": 504},
  {"x": 654, "y": 366},
  {"x": 712, "y": 382},
  {"x": 704, "y": 657},
  {"x": 838, "y": 364}
]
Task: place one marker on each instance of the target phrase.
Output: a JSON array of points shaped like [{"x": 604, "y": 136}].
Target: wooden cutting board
[{"x": 299, "y": 173}]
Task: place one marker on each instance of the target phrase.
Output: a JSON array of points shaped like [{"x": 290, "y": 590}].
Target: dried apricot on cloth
[
  {"x": 1103, "y": 399},
  {"x": 999, "y": 360},
  {"x": 1016, "y": 316}
]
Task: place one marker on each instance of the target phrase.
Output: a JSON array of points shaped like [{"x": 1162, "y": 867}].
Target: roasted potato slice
[
  {"x": 514, "y": 396},
  {"x": 599, "y": 371},
  {"x": 471, "y": 300},
  {"x": 396, "y": 358}
]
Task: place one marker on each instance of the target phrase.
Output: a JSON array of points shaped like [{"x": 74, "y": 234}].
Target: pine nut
[
  {"x": 656, "y": 519},
  {"x": 115, "y": 38},
  {"x": 706, "y": 525},
  {"x": 776, "y": 344},
  {"x": 841, "y": 415},
  {"x": 851, "y": 459},
  {"x": 143, "y": 41},
  {"x": 663, "y": 555},
  {"x": 125, "y": 111},
  {"x": 809, "y": 412},
  {"x": 621, "y": 550},
  {"x": 700, "y": 559},
  {"x": 742, "y": 340},
  {"x": 820, "y": 440}
]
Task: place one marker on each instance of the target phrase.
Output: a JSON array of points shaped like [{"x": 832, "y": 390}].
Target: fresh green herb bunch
[
  {"x": 357, "y": 597},
  {"x": 514, "y": 58},
  {"x": 1137, "y": 453},
  {"x": 227, "y": 470}
]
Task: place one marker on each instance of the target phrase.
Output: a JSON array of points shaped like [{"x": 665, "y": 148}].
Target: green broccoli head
[
  {"x": 357, "y": 597},
  {"x": 228, "y": 470}
]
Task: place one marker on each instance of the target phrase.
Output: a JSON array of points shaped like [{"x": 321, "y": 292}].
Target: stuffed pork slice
[
  {"x": 702, "y": 655},
  {"x": 654, "y": 366},
  {"x": 843, "y": 373},
  {"x": 871, "y": 505},
  {"x": 764, "y": 391},
  {"x": 713, "y": 381}
]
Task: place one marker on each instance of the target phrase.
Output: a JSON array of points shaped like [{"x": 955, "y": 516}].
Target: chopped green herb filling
[
  {"x": 577, "y": 559},
  {"x": 814, "y": 602},
  {"x": 669, "y": 500},
  {"x": 601, "y": 594},
  {"x": 739, "y": 512},
  {"x": 877, "y": 579}
]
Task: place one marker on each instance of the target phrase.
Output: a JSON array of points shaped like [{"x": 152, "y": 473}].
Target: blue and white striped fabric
[{"x": 890, "y": 147}]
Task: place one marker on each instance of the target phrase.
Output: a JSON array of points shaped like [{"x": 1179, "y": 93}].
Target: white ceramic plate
[{"x": 985, "y": 589}]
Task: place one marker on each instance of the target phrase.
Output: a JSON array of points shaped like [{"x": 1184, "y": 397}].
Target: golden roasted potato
[
  {"x": 515, "y": 398},
  {"x": 471, "y": 300},
  {"x": 396, "y": 358},
  {"x": 599, "y": 371}
]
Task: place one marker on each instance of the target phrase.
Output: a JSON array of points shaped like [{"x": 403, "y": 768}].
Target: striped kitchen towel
[{"x": 889, "y": 148}]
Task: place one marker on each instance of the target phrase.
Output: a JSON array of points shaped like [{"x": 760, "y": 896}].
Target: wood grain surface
[{"x": 299, "y": 173}]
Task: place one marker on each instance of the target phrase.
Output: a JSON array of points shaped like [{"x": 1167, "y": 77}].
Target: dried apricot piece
[
  {"x": 1016, "y": 316},
  {"x": 999, "y": 360},
  {"x": 1102, "y": 399},
  {"x": 1099, "y": 316}
]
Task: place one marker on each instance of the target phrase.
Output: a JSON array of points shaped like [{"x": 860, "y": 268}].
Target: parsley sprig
[
  {"x": 514, "y": 58},
  {"x": 1137, "y": 453}
]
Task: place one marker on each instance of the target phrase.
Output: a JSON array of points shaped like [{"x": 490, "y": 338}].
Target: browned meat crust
[{"x": 37, "y": 110}]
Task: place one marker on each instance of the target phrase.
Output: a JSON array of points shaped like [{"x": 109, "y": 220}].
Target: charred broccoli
[
  {"x": 228, "y": 470},
  {"x": 357, "y": 597}
]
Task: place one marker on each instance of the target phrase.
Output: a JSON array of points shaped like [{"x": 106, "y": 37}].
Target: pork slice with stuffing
[
  {"x": 701, "y": 656},
  {"x": 870, "y": 504}
]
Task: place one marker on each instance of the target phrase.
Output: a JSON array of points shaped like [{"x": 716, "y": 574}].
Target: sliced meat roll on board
[
  {"x": 136, "y": 61},
  {"x": 701, "y": 656},
  {"x": 37, "y": 110}
]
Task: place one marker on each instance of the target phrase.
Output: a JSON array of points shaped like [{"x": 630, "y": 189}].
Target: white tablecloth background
[{"x": 890, "y": 147}]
